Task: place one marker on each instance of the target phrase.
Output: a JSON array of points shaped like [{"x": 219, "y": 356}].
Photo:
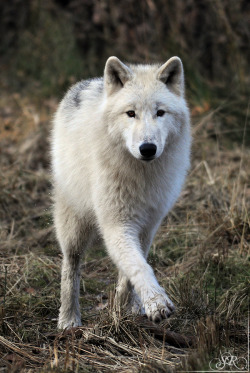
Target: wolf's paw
[
  {"x": 68, "y": 323},
  {"x": 159, "y": 307}
]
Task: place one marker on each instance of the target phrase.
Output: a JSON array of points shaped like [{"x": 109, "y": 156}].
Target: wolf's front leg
[{"x": 124, "y": 248}]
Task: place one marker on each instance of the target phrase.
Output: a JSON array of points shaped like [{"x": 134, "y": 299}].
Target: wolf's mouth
[{"x": 147, "y": 159}]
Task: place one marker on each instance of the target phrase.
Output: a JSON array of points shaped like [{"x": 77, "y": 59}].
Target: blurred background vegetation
[{"x": 56, "y": 41}]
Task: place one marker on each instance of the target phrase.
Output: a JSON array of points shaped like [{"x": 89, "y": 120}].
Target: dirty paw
[{"x": 159, "y": 307}]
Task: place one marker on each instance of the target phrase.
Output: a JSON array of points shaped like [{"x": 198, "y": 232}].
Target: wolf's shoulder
[{"x": 75, "y": 95}]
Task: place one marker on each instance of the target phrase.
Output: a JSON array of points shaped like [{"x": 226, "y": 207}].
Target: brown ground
[{"x": 200, "y": 255}]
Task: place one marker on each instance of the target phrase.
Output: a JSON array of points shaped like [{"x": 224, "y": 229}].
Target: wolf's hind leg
[
  {"x": 74, "y": 236},
  {"x": 126, "y": 296}
]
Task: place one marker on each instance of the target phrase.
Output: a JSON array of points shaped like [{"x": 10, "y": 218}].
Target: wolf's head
[{"x": 145, "y": 106}]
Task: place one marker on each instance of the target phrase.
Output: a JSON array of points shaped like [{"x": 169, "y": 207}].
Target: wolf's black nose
[{"x": 148, "y": 150}]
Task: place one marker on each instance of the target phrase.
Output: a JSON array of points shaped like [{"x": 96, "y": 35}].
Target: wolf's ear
[
  {"x": 116, "y": 74},
  {"x": 171, "y": 74}
]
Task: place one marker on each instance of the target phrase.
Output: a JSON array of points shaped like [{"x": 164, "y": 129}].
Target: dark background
[{"x": 54, "y": 41}]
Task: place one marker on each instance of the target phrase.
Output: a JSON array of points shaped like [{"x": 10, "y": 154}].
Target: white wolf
[{"x": 120, "y": 153}]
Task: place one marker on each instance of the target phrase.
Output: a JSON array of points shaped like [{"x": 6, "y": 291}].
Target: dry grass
[{"x": 200, "y": 255}]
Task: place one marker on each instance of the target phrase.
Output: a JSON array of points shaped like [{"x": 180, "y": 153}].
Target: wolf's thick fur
[{"x": 120, "y": 153}]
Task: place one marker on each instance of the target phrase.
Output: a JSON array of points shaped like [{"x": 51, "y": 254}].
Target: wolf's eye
[
  {"x": 131, "y": 113},
  {"x": 160, "y": 113}
]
